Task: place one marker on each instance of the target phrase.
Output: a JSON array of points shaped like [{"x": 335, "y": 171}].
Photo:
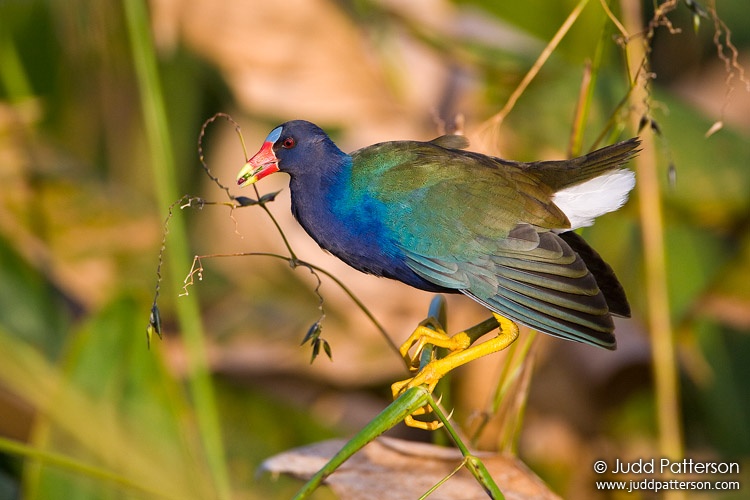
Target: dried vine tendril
[{"x": 235, "y": 202}]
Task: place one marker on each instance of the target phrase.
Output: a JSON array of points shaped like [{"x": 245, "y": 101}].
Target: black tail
[{"x": 605, "y": 277}]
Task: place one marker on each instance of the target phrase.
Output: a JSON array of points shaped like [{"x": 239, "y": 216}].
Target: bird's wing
[
  {"x": 465, "y": 222},
  {"x": 441, "y": 200},
  {"x": 548, "y": 288}
]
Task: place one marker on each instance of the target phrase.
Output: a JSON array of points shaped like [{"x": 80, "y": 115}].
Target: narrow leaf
[
  {"x": 155, "y": 320},
  {"x": 315, "y": 351},
  {"x": 268, "y": 197},
  {"x": 327, "y": 349},
  {"x": 244, "y": 201},
  {"x": 312, "y": 333}
]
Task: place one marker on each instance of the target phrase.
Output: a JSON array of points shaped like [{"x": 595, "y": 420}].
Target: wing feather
[{"x": 549, "y": 289}]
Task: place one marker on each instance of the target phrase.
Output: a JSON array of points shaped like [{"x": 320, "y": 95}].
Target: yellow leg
[{"x": 431, "y": 374}]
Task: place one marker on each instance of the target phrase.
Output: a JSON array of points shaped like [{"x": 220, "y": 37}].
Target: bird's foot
[
  {"x": 461, "y": 353},
  {"x": 428, "y": 377},
  {"x": 430, "y": 332}
]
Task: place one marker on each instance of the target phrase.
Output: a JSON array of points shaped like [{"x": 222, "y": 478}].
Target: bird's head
[{"x": 290, "y": 147}]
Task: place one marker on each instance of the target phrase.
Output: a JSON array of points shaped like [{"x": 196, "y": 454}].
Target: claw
[
  {"x": 430, "y": 425},
  {"x": 420, "y": 424},
  {"x": 450, "y": 415},
  {"x": 429, "y": 332}
]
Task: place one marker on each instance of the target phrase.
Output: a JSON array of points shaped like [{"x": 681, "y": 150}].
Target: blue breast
[{"x": 350, "y": 224}]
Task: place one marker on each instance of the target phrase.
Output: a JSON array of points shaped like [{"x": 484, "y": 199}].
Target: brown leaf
[{"x": 397, "y": 469}]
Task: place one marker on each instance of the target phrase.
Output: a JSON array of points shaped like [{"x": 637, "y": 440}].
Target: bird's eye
[{"x": 288, "y": 143}]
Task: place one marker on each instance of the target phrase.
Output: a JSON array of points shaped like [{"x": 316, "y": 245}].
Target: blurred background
[{"x": 94, "y": 148}]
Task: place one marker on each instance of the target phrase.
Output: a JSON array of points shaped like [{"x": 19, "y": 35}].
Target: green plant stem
[
  {"x": 404, "y": 405},
  {"x": 496, "y": 120},
  {"x": 586, "y": 96},
  {"x": 165, "y": 185},
  {"x": 63, "y": 462},
  {"x": 296, "y": 263},
  {"x": 474, "y": 464},
  {"x": 652, "y": 223},
  {"x": 13, "y": 77},
  {"x": 293, "y": 256}
]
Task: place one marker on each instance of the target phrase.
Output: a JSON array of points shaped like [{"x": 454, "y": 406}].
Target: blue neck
[{"x": 342, "y": 220}]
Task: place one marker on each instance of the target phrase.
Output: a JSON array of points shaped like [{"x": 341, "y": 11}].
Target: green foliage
[
  {"x": 716, "y": 398},
  {"x": 32, "y": 305},
  {"x": 84, "y": 190}
]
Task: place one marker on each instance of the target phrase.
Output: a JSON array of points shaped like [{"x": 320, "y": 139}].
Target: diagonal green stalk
[
  {"x": 165, "y": 183},
  {"x": 496, "y": 120},
  {"x": 586, "y": 96},
  {"x": 517, "y": 378},
  {"x": 474, "y": 464},
  {"x": 64, "y": 462},
  {"x": 406, "y": 404},
  {"x": 13, "y": 77},
  {"x": 443, "y": 481}
]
